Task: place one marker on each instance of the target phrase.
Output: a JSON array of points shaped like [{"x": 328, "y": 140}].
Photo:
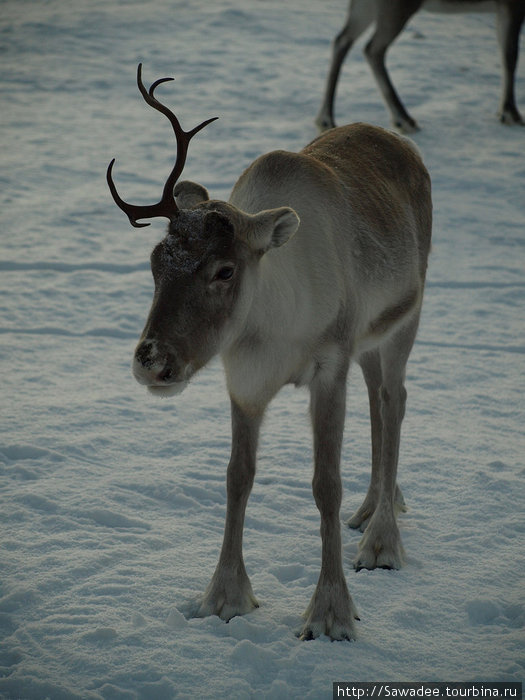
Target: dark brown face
[{"x": 197, "y": 270}]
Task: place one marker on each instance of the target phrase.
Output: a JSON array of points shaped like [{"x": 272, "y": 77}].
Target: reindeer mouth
[
  {"x": 164, "y": 391},
  {"x": 159, "y": 374}
]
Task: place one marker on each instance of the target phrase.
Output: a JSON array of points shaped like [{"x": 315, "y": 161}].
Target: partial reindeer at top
[
  {"x": 389, "y": 17},
  {"x": 318, "y": 258}
]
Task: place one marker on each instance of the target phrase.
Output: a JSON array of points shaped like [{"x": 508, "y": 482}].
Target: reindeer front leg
[
  {"x": 331, "y": 610},
  {"x": 229, "y": 592}
]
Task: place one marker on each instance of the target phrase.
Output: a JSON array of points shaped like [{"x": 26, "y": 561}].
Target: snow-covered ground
[{"x": 112, "y": 502}]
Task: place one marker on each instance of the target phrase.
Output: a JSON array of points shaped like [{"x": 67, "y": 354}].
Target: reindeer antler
[{"x": 166, "y": 206}]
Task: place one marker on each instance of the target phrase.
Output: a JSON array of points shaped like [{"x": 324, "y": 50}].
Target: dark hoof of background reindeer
[
  {"x": 323, "y": 124},
  {"x": 511, "y": 118},
  {"x": 408, "y": 126}
]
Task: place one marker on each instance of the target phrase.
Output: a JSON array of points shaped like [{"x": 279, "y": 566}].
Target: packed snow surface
[{"x": 113, "y": 502}]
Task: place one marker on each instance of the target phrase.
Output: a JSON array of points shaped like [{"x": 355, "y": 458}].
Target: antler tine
[
  {"x": 183, "y": 137},
  {"x": 133, "y": 211},
  {"x": 152, "y": 100},
  {"x": 166, "y": 206},
  {"x": 162, "y": 108},
  {"x": 157, "y": 82}
]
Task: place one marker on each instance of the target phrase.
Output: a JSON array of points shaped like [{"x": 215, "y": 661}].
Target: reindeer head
[{"x": 203, "y": 269}]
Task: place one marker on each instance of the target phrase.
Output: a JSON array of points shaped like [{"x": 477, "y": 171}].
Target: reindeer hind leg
[
  {"x": 361, "y": 14},
  {"x": 380, "y": 546},
  {"x": 509, "y": 20},
  {"x": 391, "y": 19},
  {"x": 370, "y": 364}
]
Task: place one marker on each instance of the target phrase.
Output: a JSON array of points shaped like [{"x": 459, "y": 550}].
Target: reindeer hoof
[
  {"x": 511, "y": 117},
  {"x": 379, "y": 556},
  {"x": 306, "y": 635},
  {"x": 406, "y": 126},
  {"x": 343, "y": 634},
  {"x": 324, "y": 123},
  {"x": 380, "y": 546},
  {"x": 331, "y": 612},
  {"x": 228, "y": 595}
]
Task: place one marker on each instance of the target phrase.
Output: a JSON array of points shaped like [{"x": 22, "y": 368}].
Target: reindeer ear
[
  {"x": 189, "y": 194},
  {"x": 272, "y": 228}
]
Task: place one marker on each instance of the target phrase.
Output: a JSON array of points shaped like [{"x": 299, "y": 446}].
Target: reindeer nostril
[
  {"x": 143, "y": 355},
  {"x": 166, "y": 374}
]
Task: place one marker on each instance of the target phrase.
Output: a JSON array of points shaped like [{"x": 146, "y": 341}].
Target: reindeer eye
[{"x": 225, "y": 273}]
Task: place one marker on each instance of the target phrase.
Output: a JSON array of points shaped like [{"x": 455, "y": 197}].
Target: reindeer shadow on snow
[{"x": 318, "y": 258}]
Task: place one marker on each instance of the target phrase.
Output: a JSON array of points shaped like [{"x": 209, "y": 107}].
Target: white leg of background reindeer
[
  {"x": 393, "y": 20},
  {"x": 390, "y": 17},
  {"x": 509, "y": 20},
  {"x": 360, "y": 16}
]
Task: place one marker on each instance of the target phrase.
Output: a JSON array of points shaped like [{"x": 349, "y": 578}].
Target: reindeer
[
  {"x": 318, "y": 257},
  {"x": 389, "y": 17}
]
